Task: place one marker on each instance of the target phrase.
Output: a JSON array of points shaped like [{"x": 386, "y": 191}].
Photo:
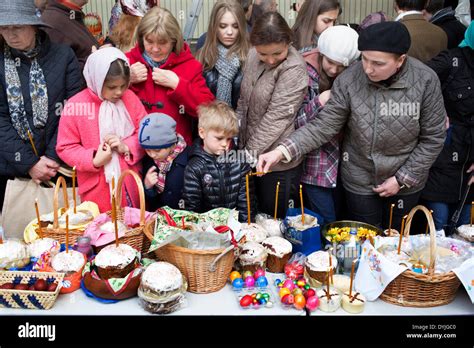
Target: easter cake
[
  {"x": 327, "y": 304},
  {"x": 254, "y": 232},
  {"x": 252, "y": 256},
  {"x": 13, "y": 254},
  {"x": 68, "y": 262},
  {"x": 317, "y": 265},
  {"x": 279, "y": 252},
  {"x": 116, "y": 262},
  {"x": 162, "y": 288},
  {"x": 40, "y": 246},
  {"x": 353, "y": 304}
]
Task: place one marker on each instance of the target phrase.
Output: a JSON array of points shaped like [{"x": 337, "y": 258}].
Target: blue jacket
[
  {"x": 63, "y": 80},
  {"x": 173, "y": 185}
]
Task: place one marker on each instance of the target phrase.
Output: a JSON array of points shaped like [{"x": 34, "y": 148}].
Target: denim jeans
[
  {"x": 375, "y": 210},
  {"x": 443, "y": 212},
  {"x": 321, "y": 201}
]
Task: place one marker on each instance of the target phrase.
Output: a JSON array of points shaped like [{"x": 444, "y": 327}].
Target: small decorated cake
[
  {"x": 254, "y": 232},
  {"x": 109, "y": 227},
  {"x": 13, "y": 254},
  {"x": 467, "y": 232},
  {"x": 279, "y": 252},
  {"x": 341, "y": 282},
  {"x": 116, "y": 262},
  {"x": 68, "y": 262},
  {"x": 327, "y": 304},
  {"x": 252, "y": 256},
  {"x": 353, "y": 304},
  {"x": 162, "y": 288},
  {"x": 317, "y": 265},
  {"x": 40, "y": 246},
  {"x": 81, "y": 217}
]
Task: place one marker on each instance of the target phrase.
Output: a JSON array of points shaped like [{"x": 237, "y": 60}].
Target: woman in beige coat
[{"x": 274, "y": 85}]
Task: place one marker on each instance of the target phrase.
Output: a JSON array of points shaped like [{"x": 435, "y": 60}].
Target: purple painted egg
[
  {"x": 249, "y": 282},
  {"x": 289, "y": 284}
]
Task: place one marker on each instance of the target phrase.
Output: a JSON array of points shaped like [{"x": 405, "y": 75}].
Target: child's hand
[
  {"x": 151, "y": 178},
  {"x": 103, "y": 155},
  {"x": 116, "y": 144}
]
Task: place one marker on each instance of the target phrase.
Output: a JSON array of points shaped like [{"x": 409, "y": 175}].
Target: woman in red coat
[{"x": 164, "y": 74}]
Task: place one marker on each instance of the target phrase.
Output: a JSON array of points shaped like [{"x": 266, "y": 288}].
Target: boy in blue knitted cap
[{"x": 167, "y": 157}]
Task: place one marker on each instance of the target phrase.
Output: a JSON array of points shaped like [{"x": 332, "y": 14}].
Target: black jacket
[
  {"x": 446, "y": 20},
  {"x": 63, "y": 80},
  {"x": 448, "y": 177},
  {"x": 211, "y": 182},
  {"x": 212, "y": 76},
  {"x": 173, "y": 191}
]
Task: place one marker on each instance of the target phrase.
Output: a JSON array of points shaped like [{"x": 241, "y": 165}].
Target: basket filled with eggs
[{"x": 29, "y": 290}]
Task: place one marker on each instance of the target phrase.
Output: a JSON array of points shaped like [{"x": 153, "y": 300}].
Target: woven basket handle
[
  {"x": 431, "y": 225},
  {"x": 141, "y": 193},
  {"x": 59, "y": 183}
]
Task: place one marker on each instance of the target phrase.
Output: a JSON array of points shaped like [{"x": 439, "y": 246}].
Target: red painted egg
[{"x": 246, "y": 301}]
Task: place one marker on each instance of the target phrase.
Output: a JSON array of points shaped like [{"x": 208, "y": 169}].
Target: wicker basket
[
  {"x": 412, "y": 289},
  {"x": 205, "y": 270},
  {"x": 28, "y": 299},
  {"x": 134, "y": 237},
  {"x": 56, "y": 232}
]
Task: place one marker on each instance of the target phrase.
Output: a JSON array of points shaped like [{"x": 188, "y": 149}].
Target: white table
[{"x": 224, "y": 302}]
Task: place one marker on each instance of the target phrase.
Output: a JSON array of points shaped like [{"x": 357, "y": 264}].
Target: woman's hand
[
  {"x": 116, "y": 144},
  {"x": 151, "y": 178},
  {"x": 389, "y": 187},
  {"x": 138, "y": 73},
  {"x": 165, "y": 78},
  {"x": 43, "y": 170},
  {"x": 324, "y": 97},
  {"x": 269, "y": 159},
  {"x": 103, "y": 155}
]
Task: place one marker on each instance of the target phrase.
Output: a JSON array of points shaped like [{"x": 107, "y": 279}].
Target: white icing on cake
[
  {"x": 79, "y": 218},
  {"x": 254, "y": 232},
  {"x": 162, "y": 276},
  {"x": 279, "y": 245},
  {"x": 466, "y": 231},
  {"x": 252, "y": 253},
  {"x": 319, "y": 261},
  {"x": 355, "y": 303},
  {"x": 109, "y": 226},
  {"x": 40, "y": 246},
  {"x": 112, "y": 256},
  {"x": 329, "y": 305},
  {"x": 272, "y": 227},
  {"x": 71, "y": 261},
  {"x": 12, "y": 250}
]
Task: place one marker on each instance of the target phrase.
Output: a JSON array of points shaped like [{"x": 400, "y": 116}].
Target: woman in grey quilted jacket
[
  {"x": 392, "y": 109},
  {"x": 274, "y": 85}
]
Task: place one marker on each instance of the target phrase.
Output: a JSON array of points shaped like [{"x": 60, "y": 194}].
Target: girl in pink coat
[{"x": 98, "y": 130}]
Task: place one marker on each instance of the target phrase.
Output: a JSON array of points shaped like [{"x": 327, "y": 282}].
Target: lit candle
[
  {"x": 401, "y": 234},
  {"x": 248, "y": 197},
  {"x": 67, "y": 233},
  {"x": 302, "y": 207},
  {"x": 74, "y": 187},
  {"x": 390, "y": 221}
]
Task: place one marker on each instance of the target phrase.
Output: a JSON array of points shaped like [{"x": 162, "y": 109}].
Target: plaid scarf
[
  {"x": 165, "y": 165},
  {"x": 38, "y": 92}
]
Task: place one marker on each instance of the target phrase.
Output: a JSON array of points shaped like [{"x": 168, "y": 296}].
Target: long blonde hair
[
  {"x": 208, "y": 54},
  {"x": 161, "y": 22},
  {"x": 124, "y": 33}
]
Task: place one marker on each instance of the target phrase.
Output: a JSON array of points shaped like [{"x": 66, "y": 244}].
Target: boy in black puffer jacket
[{"x": 213, "y": 178}]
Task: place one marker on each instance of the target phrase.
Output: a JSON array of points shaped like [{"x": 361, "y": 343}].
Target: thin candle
[
  {"x": 302, "y": 207},
  {"x": 260, "y": 173},
  {"x": 276, "y": 200},
  {"x": 330, "y": 265},
  {"x": 329, "y": 290},
  {"x": 248, "y": 197},
  {"x": 38, "y": 218},
  {"x": 390, "y": 221},
  {"x": 74, "y": 188},
  {"x": 401, "y": 234},
  {"x": 352, "y": 277},
  {"x": 114, "y": 219},
  {"x": 67, "y": 233},
  {"x": 32, "y": 143}
]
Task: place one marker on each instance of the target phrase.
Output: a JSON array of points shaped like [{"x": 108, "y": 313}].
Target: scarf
[
  {"x": 151, "y": 62},
  {"x": 468, "y": 37},
  {"x": 227, "y": 67},
  {"x": 113, "y": 117},
  {"x": 38, "y": 92},
  {"x": 165, "y": 165}
]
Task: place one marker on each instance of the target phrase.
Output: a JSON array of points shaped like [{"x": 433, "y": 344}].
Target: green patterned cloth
[{"x": 164, "y": 233}]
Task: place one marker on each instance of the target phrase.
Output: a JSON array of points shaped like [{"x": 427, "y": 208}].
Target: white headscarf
[{"x": 113, "y": 117}]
